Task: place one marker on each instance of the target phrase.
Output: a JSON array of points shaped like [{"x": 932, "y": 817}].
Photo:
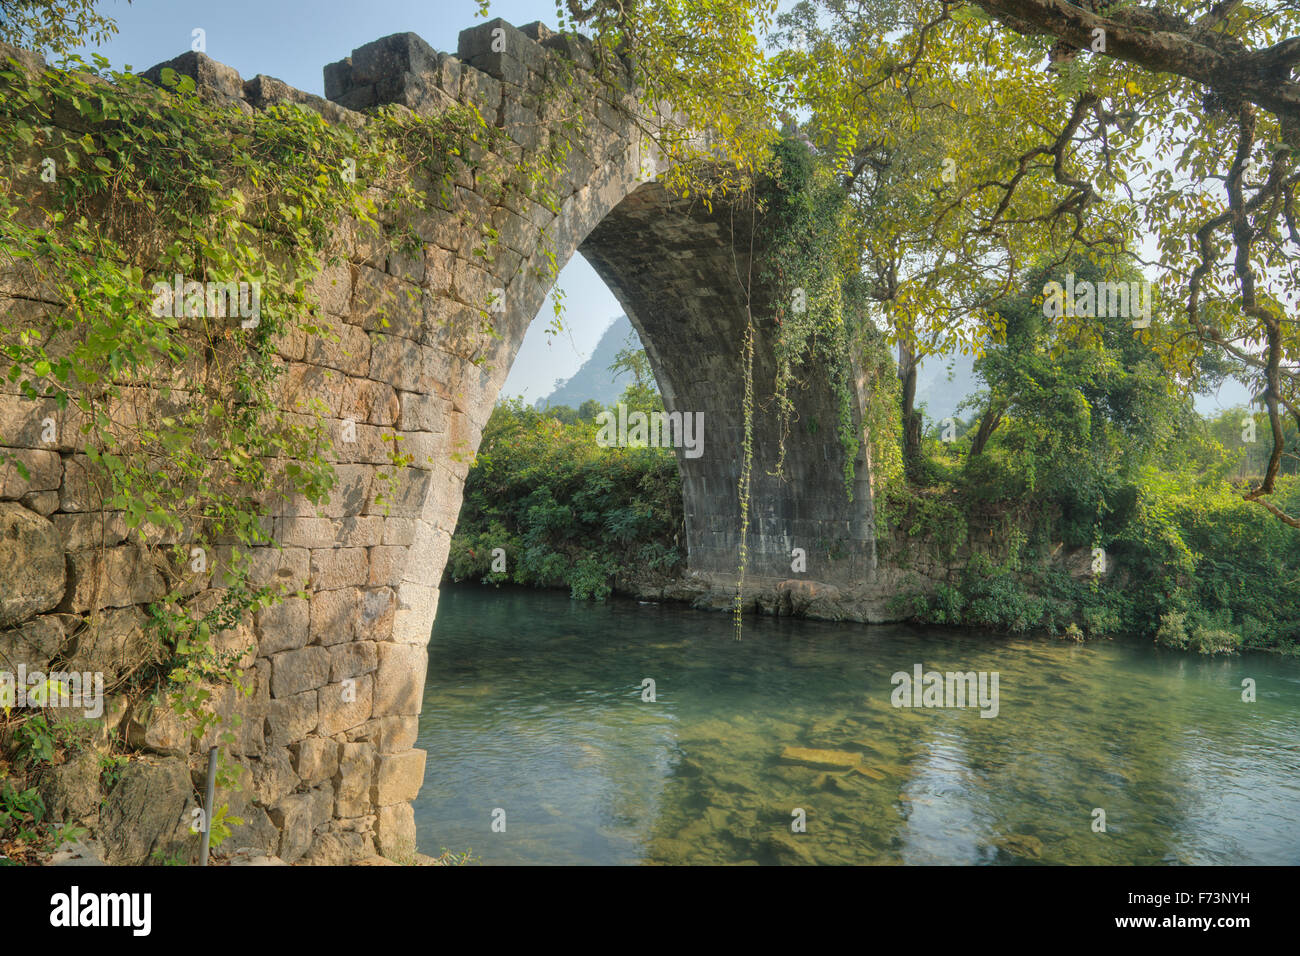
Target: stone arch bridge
[{"x": 330, "y": 779}]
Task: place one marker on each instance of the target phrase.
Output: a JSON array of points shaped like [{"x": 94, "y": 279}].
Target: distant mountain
[
  {"x": 594, "y": 379},
  {"x": 942, "y": 382}
]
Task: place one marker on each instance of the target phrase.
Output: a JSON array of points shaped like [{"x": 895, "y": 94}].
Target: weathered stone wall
[{"x": 330, "y": 778}]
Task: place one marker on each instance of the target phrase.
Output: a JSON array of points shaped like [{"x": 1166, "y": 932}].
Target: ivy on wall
[
  {"x": 112, "y": 187},
  {"x": 820, "y": 329},
  {"x": 807, "y": 262}
]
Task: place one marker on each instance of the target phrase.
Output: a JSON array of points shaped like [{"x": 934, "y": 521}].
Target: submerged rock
[
  {"x": 843, "y": 760},
  {"x": 821, "y": 759},
  {"x": 834, "y": 782},
  {"x": 789, "y": 848},
  {"x": 1022, "y": 845}
]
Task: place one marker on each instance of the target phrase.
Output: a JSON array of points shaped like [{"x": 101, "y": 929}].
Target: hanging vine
[
  {"x": 746, "y": 472},
  {"x": 819, "y": 328},
  {"x": 807, "y": 263}
]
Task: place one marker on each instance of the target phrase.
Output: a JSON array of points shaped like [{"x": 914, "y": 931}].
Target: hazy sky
[{"x": 293, "y": 40}]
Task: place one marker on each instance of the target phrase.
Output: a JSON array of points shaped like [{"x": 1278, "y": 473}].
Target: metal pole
[{"x": 209, "y": 799}]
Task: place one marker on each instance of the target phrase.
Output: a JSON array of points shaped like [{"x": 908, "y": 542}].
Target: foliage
[
  {"x": 641, "y": 393},
  {"x": 34, "y": 741},
  {"x": 565, "y": 511},
  {"x": 1070, "y": 415},
  {"x": 1191, "y": 564},
  {"x": 38, "y": 742},
  {"x": 219, "y": 825},
  {"x": 452, "y": 858},
  {"x": 706, "y": 59},
  {"x": 113, "y": 186},
  {"x": 21, "y": 812},
  {"x": 969, "y": 147},
  {"x": 53, "y": 26},
  {"x": 806, "y": 265},
  {"x": 1175, "y": 632},
  {"x": 1004, "y": 597},
  {"x": 878, "y": 390},
  {"x": 110, "y": 769},
  {"x": 1090, "y": 441}
]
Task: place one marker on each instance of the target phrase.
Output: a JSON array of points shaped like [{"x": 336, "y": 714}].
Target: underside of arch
[{"x": 689, "y": 279}]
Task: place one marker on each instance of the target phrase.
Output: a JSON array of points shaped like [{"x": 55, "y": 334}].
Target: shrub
[
  {"x": 568, "y": 512},
  {"x": 1214, "y": 641}
]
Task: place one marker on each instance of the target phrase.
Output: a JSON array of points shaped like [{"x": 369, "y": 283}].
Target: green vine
[
  {"x": 820, "y": 329},
  {"x": 112, "y": 187},
  {"x": 746, "y": 472},
  {"x": 807, "y": 266}
]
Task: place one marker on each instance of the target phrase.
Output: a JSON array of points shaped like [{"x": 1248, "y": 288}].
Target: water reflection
[{"x": 533, "y": 704}]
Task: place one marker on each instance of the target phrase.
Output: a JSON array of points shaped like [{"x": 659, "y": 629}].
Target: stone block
[
  {"x": 272, "y": 776},
  {"x": 339, "y": 568},
  {"x": 398, "y": 777},
  {"x": 352, "y": 660},
  {"x": 388, "y": 734},
  {"x": 88, "y": 530},
  {"x": 343, "y": 347},
  {"x": 296, "y": 671},
  {"x": 335, "y": 615},
  {"x": 114, "y": 577},
  {"x": 114, "y": 642},
  {"x": 291, "y": 719},
  {"x": 352, "y": 780},
  {"x": 293, "y": 818},
  {"x": 387, "y": 565},
  {"x": 378, "y": 607},
  {"x": 346, "y": 705},
  {"x": 396, "y": 361},
  {"x": 32, "y": 566},
  {"x": 315, "y": 760},
  {"x": 284, "y": 626},
  {"x": 34, "y": 643},
  {"x": 399, "y": 680},
  {"x": 395, "y": 831}
]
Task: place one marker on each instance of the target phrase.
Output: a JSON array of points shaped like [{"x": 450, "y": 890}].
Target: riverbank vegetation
[
  {"x": 1093, "y": 444},
  {"x": 547, "y": 506},
  {"x": 1084, "y": 446},
  {"x": 985, "y": 150}
]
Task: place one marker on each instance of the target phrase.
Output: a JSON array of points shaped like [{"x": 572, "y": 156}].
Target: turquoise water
[{"x": 534, "y": 706}]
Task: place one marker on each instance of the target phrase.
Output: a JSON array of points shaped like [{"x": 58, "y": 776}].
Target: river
[{"x": 543, "y": 747}]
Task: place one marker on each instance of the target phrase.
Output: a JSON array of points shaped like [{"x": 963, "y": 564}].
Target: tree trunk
[
  {"x": 911, "y": 417},
  {"x": 988, "y": 424}
]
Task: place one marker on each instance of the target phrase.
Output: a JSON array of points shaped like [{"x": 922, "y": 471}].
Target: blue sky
[{"x": 293, "y": 40}]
